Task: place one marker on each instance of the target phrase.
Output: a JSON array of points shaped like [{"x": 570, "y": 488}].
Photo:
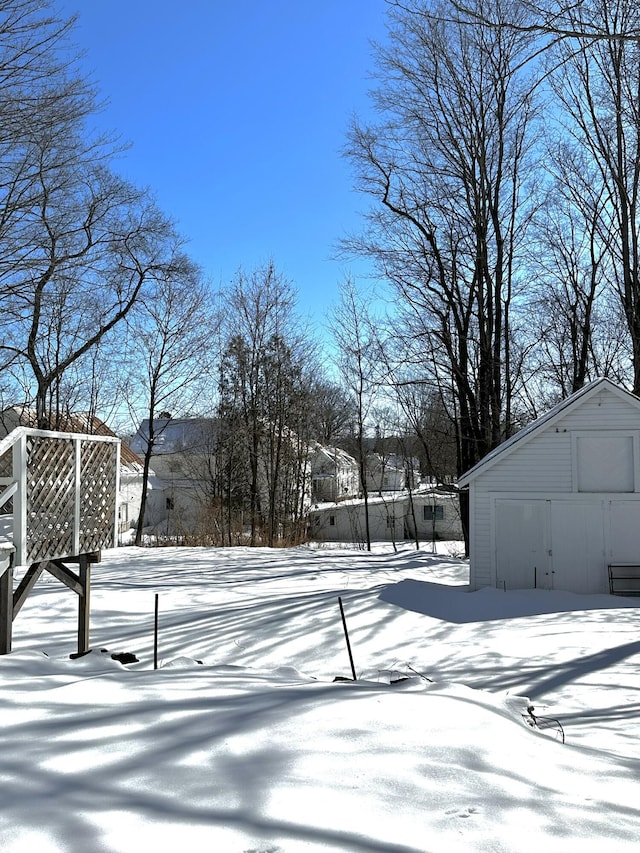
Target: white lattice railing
[{"x": 61, "y": 491}]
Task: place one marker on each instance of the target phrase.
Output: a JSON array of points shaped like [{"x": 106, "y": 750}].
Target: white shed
[
  {"x": 345, "y": 521},
  {"x": 557, "y": 503}
]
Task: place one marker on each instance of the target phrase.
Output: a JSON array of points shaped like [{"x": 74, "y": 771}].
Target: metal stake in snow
[
  {"x": 155, "y": 636},
  {"x": 346, "y": 635}
]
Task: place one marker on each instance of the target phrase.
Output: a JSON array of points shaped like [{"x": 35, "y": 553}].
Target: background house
[
  {"x": 177, "y": 442},
  {"x": 558, "y": 502},
  {"x": 384, "y": 473},
  {"x": 182, "y": 459},
  {"x": 345, "y": 521},
  {"x": 198, "y": 485},
  {"x": 335, "y": 474}
]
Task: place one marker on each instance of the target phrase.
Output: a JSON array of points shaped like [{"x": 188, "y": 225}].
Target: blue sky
[{"x": 237, "y": 112}]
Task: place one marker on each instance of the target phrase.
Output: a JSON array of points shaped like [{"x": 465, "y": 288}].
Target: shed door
[
  {"x": 577, "y": 542},
  {"x": 624, "y": 535},
  {"x": 522, "y": 550}
]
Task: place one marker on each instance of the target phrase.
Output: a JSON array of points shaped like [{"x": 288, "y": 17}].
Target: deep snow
[{"x": 256, "y": 748}]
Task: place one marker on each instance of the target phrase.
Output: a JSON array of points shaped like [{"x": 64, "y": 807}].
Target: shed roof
[{"x": 544, "y": 422}]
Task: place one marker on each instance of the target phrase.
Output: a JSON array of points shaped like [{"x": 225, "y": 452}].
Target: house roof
[
  {"x": 94, "y": 426},
  {"x": 544, "y": 422},
  {"x": 81, "y": 422},
  {"x": 332, "y": 454},
  {"x": 173, "y": 435}
]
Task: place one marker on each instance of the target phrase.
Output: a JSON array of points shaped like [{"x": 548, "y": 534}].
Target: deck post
[
  {"x": 83, "y": 604},
  {"x": 77, "y": 495},
  {"x": 20, "y": 501},
  {"x": 6, "y": 610}
]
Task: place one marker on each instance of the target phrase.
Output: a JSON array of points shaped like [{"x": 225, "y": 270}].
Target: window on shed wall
[
  {"x": 605, "y": 463},
  {"x": 433, "y": 513}
]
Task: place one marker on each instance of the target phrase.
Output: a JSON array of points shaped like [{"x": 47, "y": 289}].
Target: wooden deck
[{"x": 59, "y": 505}]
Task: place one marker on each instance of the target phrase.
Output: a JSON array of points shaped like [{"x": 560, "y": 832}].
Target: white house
[
  {"x": 130, "y": 491},
  {"x": 557, "y": 503},
  {"x": 334, "y": 474},
  {"x": 345, "y": 521},
  {"x": 183, "y": 454},
  {"x": 177, "y": 441},
  {"x": 185, "y": 461},
  {"x": 384, "y": 473}
]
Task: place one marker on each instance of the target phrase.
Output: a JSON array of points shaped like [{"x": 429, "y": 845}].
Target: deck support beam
[
  {"x": 80, "y": 583},
  {"x": 83, "y": 604},
  {"x": 6, "y": 610},
  {"x": 25, "y": 586}
]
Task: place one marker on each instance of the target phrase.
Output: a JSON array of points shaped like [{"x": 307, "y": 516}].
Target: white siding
[
  {"x": 449, "y": 526},
  {"x": 541, "y": 466},
  {"x": 480, "y": 520},
  {"x": 390, "y": 518},
  {"x": 604, "y": 411}
]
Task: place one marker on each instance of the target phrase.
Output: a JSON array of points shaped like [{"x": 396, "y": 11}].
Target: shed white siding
[{"x": 558, "y": 502}]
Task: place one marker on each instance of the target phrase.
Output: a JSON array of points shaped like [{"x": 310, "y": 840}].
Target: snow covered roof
[
  {"x": 173, "y": 435},
  {"x": 334, "y": 455},
  {"x": 544, "y": 422}
]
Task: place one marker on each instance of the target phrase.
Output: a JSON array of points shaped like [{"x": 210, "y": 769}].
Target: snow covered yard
[{"x": 257, "y": 749}]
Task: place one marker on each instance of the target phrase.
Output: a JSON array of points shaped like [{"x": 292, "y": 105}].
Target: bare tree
[
  {"x": 91, "y": 270},
  {"x": 429, "y": 431},
  {"x": 358, "y": 363},
  {"x": 332, "y": 409},
  {"x": 550, "y": 20},
  {"x": 597, "y": 86},
  {"x": 77, "y": 243},
  {"x": 446, "y": 168},
  {"x": 169, "y": 333},
  {"x": 570, "y": 273}
]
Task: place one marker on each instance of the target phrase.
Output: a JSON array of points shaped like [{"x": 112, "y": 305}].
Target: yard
[{"x": 242, "y": 741}]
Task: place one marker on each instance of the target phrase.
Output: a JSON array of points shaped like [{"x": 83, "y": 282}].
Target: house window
[
  {"x": 433, "y": 513},
  {"x": 123, "y": 512},
  {"x": 332, "y": 520},
  {"x": 604, "y": 463},
  {"x": 169, "y": 503}
]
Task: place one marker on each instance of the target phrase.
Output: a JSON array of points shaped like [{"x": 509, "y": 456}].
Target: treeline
[{"x": 502, "y": 170}]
